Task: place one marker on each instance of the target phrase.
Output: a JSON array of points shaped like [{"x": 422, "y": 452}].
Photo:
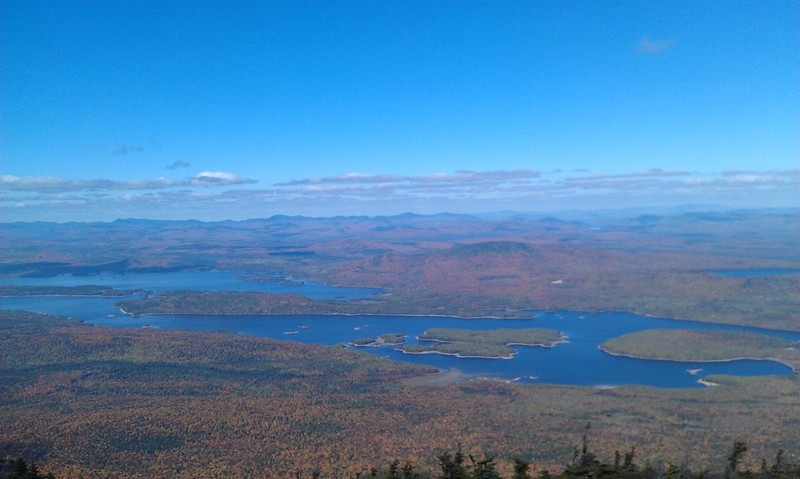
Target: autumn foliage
[{"x": 84, "y": 401}]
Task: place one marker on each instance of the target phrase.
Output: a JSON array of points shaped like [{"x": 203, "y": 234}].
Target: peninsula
[{"x": 266, "y": 304}]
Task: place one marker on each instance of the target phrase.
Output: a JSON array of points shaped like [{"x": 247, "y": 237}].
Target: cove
[{"x": 577, "y": 362}]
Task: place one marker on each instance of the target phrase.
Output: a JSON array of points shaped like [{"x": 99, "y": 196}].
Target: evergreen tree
[
  {"x": 737, "y": 453},
  {"x": 394, "y": 468},
  {"x": 409, "y": 472},
  {"x": 33, "y": 472},
  {"x": 452, "y": 465},
  {"x": 628, "y": 464},
  {"x": 521, "y": 468},
  {"x": 19, "y": 468},
  {"x": 484, "y": 469}
]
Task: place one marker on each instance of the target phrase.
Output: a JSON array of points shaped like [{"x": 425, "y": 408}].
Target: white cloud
[
  {"x": 53, "y": 184},
  {"x": 654, "y": 47},
  {"x": 460, "y": 177},
  {"x": 218, "y": 178},
  {"x": 218, "y": 195},
  {"x": 346, "y": 178}
]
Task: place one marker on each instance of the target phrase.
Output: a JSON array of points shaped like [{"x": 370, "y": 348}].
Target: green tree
[
  {"x": 484, "y": 469},
  {"x": 394, "y": 467},
  {"x": 19, "y": 468},
  {"x": 735, "y": 457},
  {"x": 628, "y": 463},
  {"x": 521, "y": 468},
  {"x": 409, "y": 472},
  {"x": 452, "y": 465},
  {"x": 33, "y": 472}
]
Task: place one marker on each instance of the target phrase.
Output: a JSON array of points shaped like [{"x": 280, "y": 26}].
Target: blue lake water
[
  {"x": 579, "y": 361},
  {"x": 199, "y": 280}
]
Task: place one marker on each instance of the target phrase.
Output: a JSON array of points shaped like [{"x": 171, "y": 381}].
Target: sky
[{"x": 216, "y": 110}]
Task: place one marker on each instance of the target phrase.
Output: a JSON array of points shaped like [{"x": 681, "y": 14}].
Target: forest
[
  {"x": 457, "y": 465},
  {"x": 86, "y": 401}
]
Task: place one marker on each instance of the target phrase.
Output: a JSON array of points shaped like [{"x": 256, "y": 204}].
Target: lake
[{"x": 577, "y": 362}]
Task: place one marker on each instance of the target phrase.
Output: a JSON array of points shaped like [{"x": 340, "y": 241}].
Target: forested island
[
  {"x": 465, "y": 343},
  {"x": 704, "y": 345},
  {"x": 385, "y": 339},
  {"x": 491, "y": 344}
]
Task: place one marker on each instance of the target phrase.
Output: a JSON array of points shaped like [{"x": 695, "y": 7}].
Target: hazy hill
[{"x": 464, "y": 264}]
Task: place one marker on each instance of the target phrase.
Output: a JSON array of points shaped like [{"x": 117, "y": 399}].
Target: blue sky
[{"x": 213, "y": 110}]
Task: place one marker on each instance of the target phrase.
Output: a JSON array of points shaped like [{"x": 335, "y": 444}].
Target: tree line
[
  {"x": 18, "y": 468},
  {"x": 584, "y": 465}
]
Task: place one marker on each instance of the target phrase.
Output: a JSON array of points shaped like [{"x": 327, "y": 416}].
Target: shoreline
[
  {"x": 68, "y": 295},
  {"x": 563, "y": 340},
  {"x": 727, "y": 360},
  {"x": 391, "y": 315},
  {"x": 707, "y": 384},
  {"x": 530, "y": 317},
  {"x": 458, "y": 355}
]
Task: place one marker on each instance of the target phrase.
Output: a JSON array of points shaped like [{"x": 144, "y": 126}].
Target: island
[
  {"x": 704, "y": 345},
  {"x": 386, "y": 339},
  {"x": 489, "y": 344}
]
